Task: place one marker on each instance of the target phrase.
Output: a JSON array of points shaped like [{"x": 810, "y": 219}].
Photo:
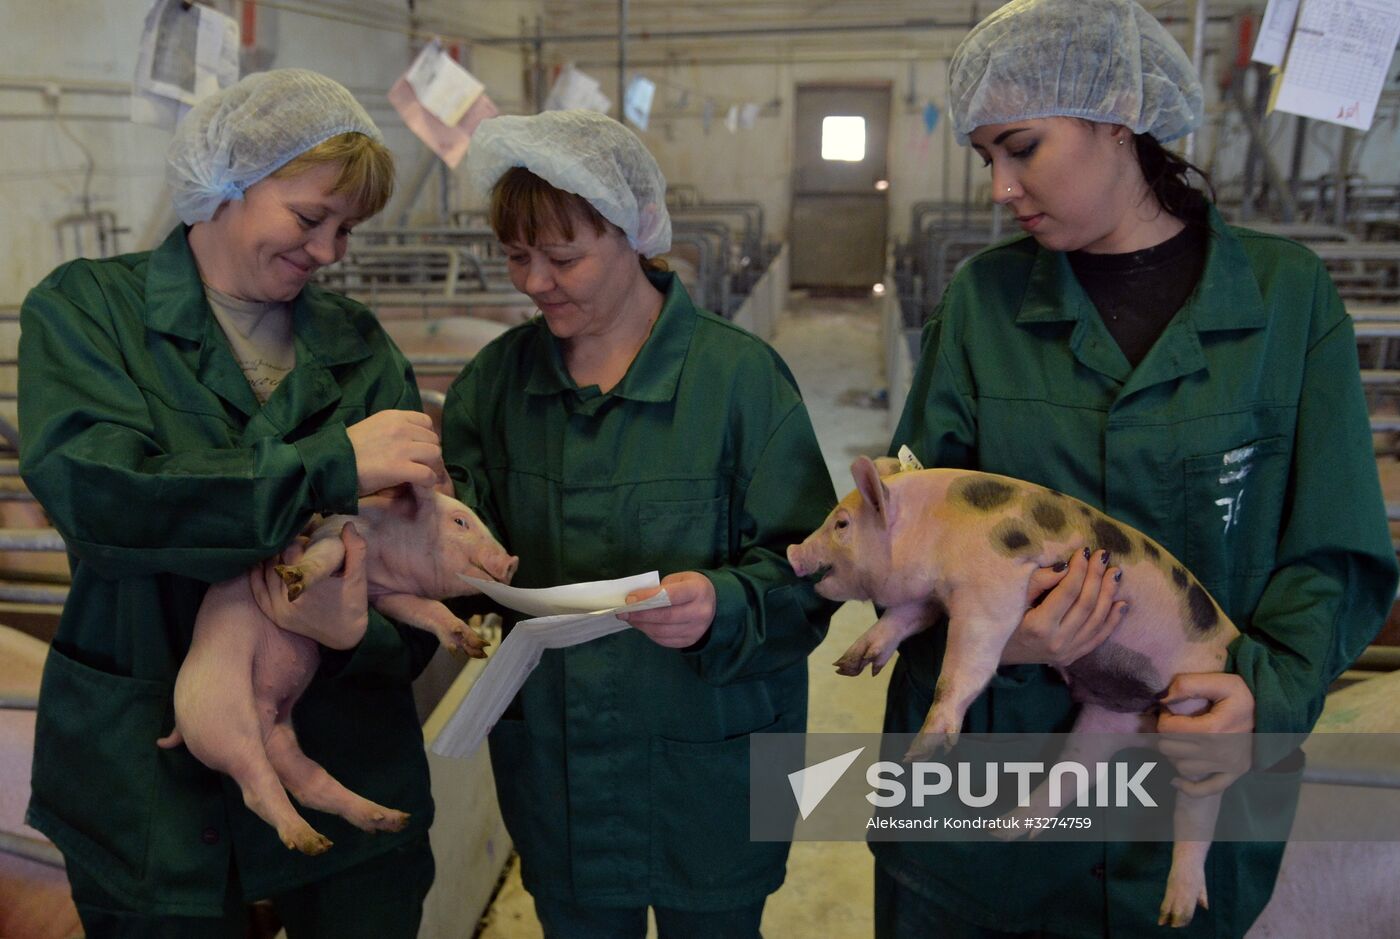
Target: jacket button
[
  {"x": 209, "y": 836},
  {"x": 1097, "y": 870}
]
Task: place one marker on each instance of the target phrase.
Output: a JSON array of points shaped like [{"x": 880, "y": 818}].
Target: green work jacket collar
[
  {"x": 654, "y": 373},
  {"x": 176, "y": 305},
  {"x": 1054, "y": 295}
]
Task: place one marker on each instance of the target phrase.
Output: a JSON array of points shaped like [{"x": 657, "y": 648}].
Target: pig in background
[
  {"x": 243, "y": 675},
  {"x": 920, "y": 542}
]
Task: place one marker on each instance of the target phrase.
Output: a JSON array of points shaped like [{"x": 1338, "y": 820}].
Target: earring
[
  {"x": 1008, "y": 188},
  {"x": 1122, "y": 140}
]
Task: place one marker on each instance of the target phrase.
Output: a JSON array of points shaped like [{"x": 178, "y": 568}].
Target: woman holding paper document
[
  {"x": 185, "y": 411},
  {"x": 623, "y": 431},
  {"x": 1197, "y": 380}
]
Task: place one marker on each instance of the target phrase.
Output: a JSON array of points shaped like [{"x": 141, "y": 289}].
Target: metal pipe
[
  {"x": 49, "y": 116},
  {"x": 414, "y": 189},
  {"x": 1378, "y": 658},
  {"x": 967, "y": 185},
  {"x": 77, "y": 86},
  {"x": 621, "y": 55},
  {"x": 539, "y": 64},
  {"x": 688, "y": 34},
  {"x": 947, "y": 163},
  {"x": 1288, "y": 207},
  {"x": 1344, "y": 152},
  {"x": 1198, "y": 56},
  {"x": 46, "y": 594},
  {"x": 661, "y": 35},
  {"x": 1300, "y": 141},
  {"x": 30, "y": 539}
]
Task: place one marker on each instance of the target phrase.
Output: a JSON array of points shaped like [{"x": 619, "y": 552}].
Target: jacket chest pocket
[
  {"x": 1234, "y": 511},
  {"x": 685, "y": 534}
]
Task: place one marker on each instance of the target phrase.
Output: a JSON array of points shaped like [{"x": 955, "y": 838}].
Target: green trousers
[
  {"x": 379, "y": 899},
  {"x": 901, "y": 913},
  {"x": 569, "y": 921}
]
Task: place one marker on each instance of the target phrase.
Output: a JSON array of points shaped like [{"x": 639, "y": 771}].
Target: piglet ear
[
  {"x": 871, "y": 487},
  {"x": 406, "y": 498}
]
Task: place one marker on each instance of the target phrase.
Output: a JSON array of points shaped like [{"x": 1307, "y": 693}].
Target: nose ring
[{"x": 1008, "y": 188}]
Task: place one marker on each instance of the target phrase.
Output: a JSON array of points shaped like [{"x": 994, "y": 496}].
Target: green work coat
[
  {"x": 622, "y": 767},
  {"x": 152, "y": 457},
  {"x": 1241, "y": 443}
]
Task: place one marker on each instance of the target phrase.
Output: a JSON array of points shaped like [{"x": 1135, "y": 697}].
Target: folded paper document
[{"x": 563, "y": 616}]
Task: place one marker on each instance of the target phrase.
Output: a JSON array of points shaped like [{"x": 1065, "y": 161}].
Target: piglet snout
[
  {"x": 794, "y": 556},
  {"x": 502, "y": 568}
]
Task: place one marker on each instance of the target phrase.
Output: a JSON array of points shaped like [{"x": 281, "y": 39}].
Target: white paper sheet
[
  {"x": 583, "y": 612},
  {"x": 1338, "y": 61},
  {"x": 441, "y": 85},
  {"x": 1275, "y": 31},
  {"x": 185, "y": 56},
  {"x": 575, "y": 89},
  {"x": 591, "y": 597},
  {"x": 448, "y": 141},
  {"x": 636, "y": 104}
]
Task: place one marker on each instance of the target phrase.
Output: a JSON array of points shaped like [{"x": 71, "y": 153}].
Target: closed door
[{"x": 840, "y": 185}]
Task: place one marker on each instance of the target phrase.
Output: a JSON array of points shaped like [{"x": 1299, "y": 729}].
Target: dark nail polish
[
  {"x": 1117, "y": 576},
  {"x": 1086, "y": 553},
  {"x": 1060, "y": 567},
  {"x": 1104, "y": 559}
]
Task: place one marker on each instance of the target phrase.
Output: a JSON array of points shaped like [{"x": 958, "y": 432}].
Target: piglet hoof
[
  {"x": 385, "y": 820},
  {"x": 928, "y": 744},
  {"x": 293, "y": 577},
  {"x": 1182, "y": 897},
  {"x": 308, "y": 842},
  {"x": 852, "y": 663},
  {"x": 939, "y": 733},
  {"x": 470, "y": 643},
  {"x": 864, "y": 651}
]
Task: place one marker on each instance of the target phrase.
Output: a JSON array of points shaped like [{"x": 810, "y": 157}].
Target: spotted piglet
[
  {"x": 921, "y": 542},
  {"x": 237, "y": 686}
]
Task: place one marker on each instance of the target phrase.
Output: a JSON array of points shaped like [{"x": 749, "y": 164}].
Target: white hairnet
[
  {"x": 588, "y": 154},
  {"x": 1102, "y": 60},
  {"x": 234, "y": 138}
]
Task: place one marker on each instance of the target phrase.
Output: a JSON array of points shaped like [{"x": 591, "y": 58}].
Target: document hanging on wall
[
  {"x": 188, "y": 52},
  {"x": 636, "y": 104},
  {"x": 574, "y": 89},
  {"x": 1338, "y": 60},
  {"x": 441, "y": 102},
  {"x": 1274, "y": 31}
]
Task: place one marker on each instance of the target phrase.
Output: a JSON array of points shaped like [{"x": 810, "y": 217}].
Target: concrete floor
[{"x": 833, "y": 347}]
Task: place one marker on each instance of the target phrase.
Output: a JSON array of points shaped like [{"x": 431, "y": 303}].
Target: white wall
[
  {"x": 756, "y": 164},
  {"x": 88, "y": 48}
]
